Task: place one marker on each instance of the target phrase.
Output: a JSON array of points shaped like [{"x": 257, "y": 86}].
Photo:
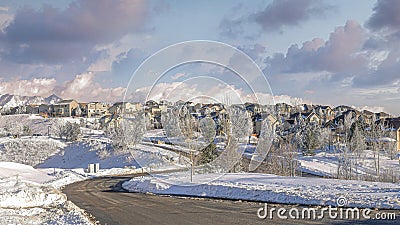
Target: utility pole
[{"x": 191, "y": 166}]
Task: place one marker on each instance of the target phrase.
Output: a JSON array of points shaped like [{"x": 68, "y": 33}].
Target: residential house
[
  {"x": 305, "y": 107},
  {"x": 257, "y": 123},
  {"x": 325, "y": 113},
  {"x": 254, "y": 108},
  {"x": 339, "y": 120},
  {"x": 394, "y": 125},
  {"x": 283, "y": 109},
  {"x": 110, "y": 121},
  {"x": 368, "y": 116},
  {"x": 65, "y": 108},
  {"x": 32, "y": 109},
  {"x": 382, "y": 115},
  {"x": 308, "y": 117},
  {"x": 339, "y": 110},
  {"x": 83, "y": 107},
  {"x": 126, "y": 108},
  {"x": 97, "y": 109}
]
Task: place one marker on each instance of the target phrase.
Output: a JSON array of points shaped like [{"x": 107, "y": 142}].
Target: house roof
[
  {"x": 383, "y": 114},
  {"x": 64, "y": 102},
  {"x": 324, "y": 107},
  {"x": 367, "y": 113},
  {"x": 304, "y": 115},
  {"x": 392, "y": 122}
]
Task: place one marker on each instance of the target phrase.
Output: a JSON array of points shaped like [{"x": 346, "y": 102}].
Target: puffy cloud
[
  {"x": 51, "y": 35},
  {"x": 256, "y": 51},
  {"x": 84, "y": 88},
  {"x": 5, "y": 19},
  {"x": 341, "y": 53},
  {"x": 386, "y": 15},
  {"x": 35, "y": 87},
  {"x": 387, "y": 72},
  {"x": 281, "y": 13},
  {"x": 4, "y": 8},
  {"x": 186, "y": 91}
]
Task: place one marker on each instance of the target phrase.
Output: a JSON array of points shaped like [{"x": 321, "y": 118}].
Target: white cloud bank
[
  {"x": 228, "y": 94},
  {"x": 82, "y": 88}
]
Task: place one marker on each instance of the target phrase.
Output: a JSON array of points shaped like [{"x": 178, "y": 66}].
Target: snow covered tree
[
  {"x": 345, "y": 165},
  {"x": 240, "y": 126},
  {"x": 170, "y": 122},
  {"x": 127, "y": 133},
  {"x": 58, "y": 129},
  {"x": 26, "y": 130},
  {"x": 240, "y": 123},
  {"x": 207, "y": 128},
  {"x": 307, "y": 136},
  {"x": 265, "y": 140},
  {"x": 72, "y": 131},
  {"x": 186, "y": 123},
  {"x": 357, "y": 142},
  {"x": 15, "y": 128},
  {"x": 325, "y": 139}
]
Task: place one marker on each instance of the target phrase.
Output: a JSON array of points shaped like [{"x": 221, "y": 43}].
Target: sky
[{"x": 343, "y": 52}]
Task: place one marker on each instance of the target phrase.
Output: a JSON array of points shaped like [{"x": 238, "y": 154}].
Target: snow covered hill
[{"x": 9, "y": 101}]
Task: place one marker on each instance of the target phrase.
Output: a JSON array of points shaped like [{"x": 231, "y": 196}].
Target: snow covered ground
[
  {"x": 25, "y": 199},
  {"x": 272, "y": 188},
  {"x": 79, "y": 155},
  {"x": 325, "y": 163},
  {"x": 30, "y": 194}
]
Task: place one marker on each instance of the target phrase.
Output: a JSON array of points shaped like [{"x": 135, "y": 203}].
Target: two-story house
[
  {"x": 97, "y": 109},
  {"x": 65, "y": 108}
]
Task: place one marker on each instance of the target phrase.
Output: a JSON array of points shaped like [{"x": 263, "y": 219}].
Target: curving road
[{"x": 108, "y": 203}]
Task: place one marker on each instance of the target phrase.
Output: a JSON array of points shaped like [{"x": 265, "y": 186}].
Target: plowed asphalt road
[{"x": 108, "y": 203}]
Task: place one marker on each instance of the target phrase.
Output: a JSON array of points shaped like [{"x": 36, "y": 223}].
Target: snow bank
[
  {"x": 272, "y": 188},
  {"x": 22, "y": 172},
  {"x": 28, "y": 150},
  {"x": 19, "y": 194},
  {"x": 26, "y": 197}
]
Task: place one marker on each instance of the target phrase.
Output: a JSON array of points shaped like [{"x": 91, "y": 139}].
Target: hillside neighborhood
[
  {"x": 284, "y": 118},
  {"x": 119, "y": 112},
  {"x": 48, "y": 145}
]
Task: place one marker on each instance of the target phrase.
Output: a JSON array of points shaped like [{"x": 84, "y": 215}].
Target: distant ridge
[{"x": 9, "y": 101}]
